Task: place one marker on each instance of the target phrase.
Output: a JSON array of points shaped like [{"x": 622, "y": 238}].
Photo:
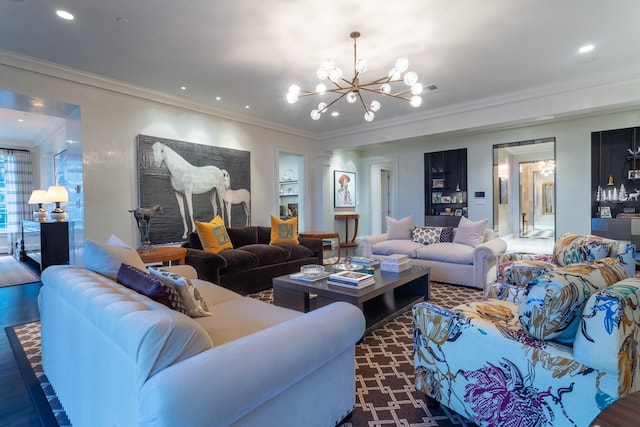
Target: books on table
[
  {"x": 364, "y": 261},
  {"x": 395, "y": 263},
  {"x": 309, "y": 277},
  {"x": 351, "y": 279}
]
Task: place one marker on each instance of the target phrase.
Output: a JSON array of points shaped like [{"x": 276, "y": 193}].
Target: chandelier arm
[
  {"x": 366, "y": 109},
  {"x": 393, "y": 95},
  {"x": 334, "y": 101}
]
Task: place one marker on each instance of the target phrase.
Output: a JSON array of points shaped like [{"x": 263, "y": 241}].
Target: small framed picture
[
  {"x": 605, "y": 212},
  {"x": 446, "y": 199},
  {"x": 458, "y": 212},
  {"x": 436, "y": 197},
  {"x": 437, "y": 183},
  {"x": 633, "y": 174}
]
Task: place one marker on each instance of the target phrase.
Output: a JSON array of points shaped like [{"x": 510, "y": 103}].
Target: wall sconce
[
  {"x": 38, "y": 197},
  {"x": 57, "y": 194}
]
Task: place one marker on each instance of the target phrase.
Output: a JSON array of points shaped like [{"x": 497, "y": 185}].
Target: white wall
[{"x": 110, "y": 122}]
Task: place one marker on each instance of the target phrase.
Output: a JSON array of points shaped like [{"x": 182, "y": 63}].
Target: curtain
[{"x": 18, "y": 187}]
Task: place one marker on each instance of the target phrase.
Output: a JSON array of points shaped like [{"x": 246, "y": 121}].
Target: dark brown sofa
[{"x": 252, "y": 263}]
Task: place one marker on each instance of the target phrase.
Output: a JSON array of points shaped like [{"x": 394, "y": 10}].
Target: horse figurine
[
  {"x": 143, "y": 217},
  {"x": 187, "y": 180},
  {"x": 236, "y": 197}
]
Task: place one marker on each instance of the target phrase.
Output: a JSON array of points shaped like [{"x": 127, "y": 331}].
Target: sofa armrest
[
  {"x": 218, "y": 386},
  {"x": 609, "y": 335},
  {"x": 315, "y": 245},
  {"x": 187, "y": 271},
  {"x": 484, "y": 259},
  {"x": 207, "y": 264},
  {"x": 367, "y": 242}
]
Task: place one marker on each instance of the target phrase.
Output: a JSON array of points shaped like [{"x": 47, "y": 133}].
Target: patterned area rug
[
  {"x": 385, "y": 391},
  {"x": 14, "y": 272}
]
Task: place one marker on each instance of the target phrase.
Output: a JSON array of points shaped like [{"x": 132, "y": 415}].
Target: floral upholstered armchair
[
  {"x": 515, "y": 270},
  {"x": 560, "y": 357}
]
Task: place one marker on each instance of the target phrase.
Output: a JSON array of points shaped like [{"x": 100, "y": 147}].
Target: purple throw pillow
[{"x": 150, "y": 286}]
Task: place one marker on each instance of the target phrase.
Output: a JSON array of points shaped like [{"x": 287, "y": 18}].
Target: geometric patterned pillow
[
  {"x": 150, "y": 286},
  {"x": 554, "y": 302},
  {"x": 426, "y": 235},
  {"x": 194, "y": 304},
  {"x": 446, "y": 235}
]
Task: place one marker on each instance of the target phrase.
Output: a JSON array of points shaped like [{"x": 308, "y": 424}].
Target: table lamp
[
  {"x": 57, "y": 194},
  {"x": 38, "y": 197}
]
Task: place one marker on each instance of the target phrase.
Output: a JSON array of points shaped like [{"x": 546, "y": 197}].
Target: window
[{"x": 3, "y": 197}]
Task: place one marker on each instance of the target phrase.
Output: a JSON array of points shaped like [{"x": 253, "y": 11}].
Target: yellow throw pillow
[
  {"x": 213, "y": 235},
  {"x": 284, "y": 231}
]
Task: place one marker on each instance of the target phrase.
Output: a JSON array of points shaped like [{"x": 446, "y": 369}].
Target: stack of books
[
  {"x": 364, "y": 261},
  {"x": 395, "y": 263},
  {"x": 351, "y": 279}
]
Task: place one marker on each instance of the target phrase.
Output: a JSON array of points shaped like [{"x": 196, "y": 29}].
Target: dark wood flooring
[{"x": 18, "y": 304}]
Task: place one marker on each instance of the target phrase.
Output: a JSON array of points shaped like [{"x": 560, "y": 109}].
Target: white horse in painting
[
  {"x": 188, "y": 180},
  {"x": 236, "y": 197}
]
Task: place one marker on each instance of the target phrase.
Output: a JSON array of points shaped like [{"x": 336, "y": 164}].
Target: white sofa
[
  {"x": 118, "y": 358},
  {"x": 469, "y": 262}
]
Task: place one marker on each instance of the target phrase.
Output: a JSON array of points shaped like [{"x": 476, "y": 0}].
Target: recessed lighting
[
  {"x": 218, "y": 98},
  {"x": 247, "y": 106},
  {"x": 122, "y": 20},
  {"x": 183, "y": 87},
  {"x": 64, "y": 14},
  {"x": 21, "y": 120},
  {"x": 586, "y": 48},
  {"x": 334, "y": 114}
]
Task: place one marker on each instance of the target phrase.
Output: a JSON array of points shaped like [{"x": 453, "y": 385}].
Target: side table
[
  {"x": 621, "y": 413},
  {"x": 167, "y": 255},
  {"x": 346, "y": 217},
  {"x": 324, "y": 235}
]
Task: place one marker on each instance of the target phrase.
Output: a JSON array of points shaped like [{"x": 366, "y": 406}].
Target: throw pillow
[
  {"x": 399, "y": 229},
  {"x": 106, "y": 259},
  {"x": 194, "y": 304},
  {"x": 284, "y": 231},
  {"x": 150, "y": 286},
  {"x": 213, "y": 235},
  {"x": 470, "y": 233},
  {"x": 446, "y": 236},
  {"x": 426, "y": 235}
]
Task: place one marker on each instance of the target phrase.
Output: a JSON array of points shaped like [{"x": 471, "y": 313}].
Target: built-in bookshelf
[{"x": 445, "y": 186}]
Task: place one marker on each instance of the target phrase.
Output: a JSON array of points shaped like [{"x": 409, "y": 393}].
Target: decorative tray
[{"x": 348, "y": 267}]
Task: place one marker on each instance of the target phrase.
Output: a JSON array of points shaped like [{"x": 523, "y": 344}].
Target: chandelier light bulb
[
  {"x": 321, "y": 88},
  {"x": 327, "y": 65},
  {"x": 322, "y": 73},
  {"x": 294, "y": 89},
  {"x": 402, "y": 65},
  {"x": 352, "y": 97},
  {"x": 416, "y": 101},
  {"x": 375, "y": 106},
  {"x": 410, "y": 78},
  {"x": 335, "y": 74},
  {"x": 361, "y": 65},
  {"x": 315, "y": 115},
  {"x": 416, "y": 89},
  {"x": 292, "y": 97},
  {"x": 394, "y": 74},
  {"x": 385, "y": 88},
  {"x": 369, "y": 116},
  {"x": 322, "y": 106}
]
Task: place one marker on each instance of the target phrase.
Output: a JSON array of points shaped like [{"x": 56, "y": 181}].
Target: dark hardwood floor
[{"x": 18, "y": 304}]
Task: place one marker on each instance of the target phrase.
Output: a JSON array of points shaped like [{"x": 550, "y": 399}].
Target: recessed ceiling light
[
  {"x": 335, "y": 114},
  {"x": 183, "y": 87},
  {"x": 586, "y": 48},
  {"x": 122, "y": 20},
  {"x": 21, "y": 120},
  {"x": 218, "y": 98},
  {"x": 247, "y": 106},
  {"x": 64, "y": 14}
]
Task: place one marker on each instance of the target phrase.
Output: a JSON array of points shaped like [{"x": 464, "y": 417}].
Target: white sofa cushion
[
  {"x": 388, "y": 247},
  {"x": 453, "y": 253},
  {"x": 469, "y": 232},
  {"x": 399, "y": 228},
  {"x": 106, "y": 259}
]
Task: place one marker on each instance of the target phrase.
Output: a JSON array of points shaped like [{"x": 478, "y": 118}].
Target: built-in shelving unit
[{"x": 445, "y": 186}]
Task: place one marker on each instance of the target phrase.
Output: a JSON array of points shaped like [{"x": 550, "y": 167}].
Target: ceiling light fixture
[
  {"x": 586, "y": 48},
  {"x": 352, "y": 89},
  {"x": 64, "y": 14}
]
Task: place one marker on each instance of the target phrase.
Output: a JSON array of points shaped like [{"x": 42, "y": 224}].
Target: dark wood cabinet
[
  {"x": 46, "y": 243},
  {"x": 445, "y": 186},
  {"x": 615, "y": 173}
]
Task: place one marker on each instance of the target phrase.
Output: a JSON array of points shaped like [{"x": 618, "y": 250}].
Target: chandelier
[
  {"x": 547, "y": 167},
  {"x": 353, "y": 89}
]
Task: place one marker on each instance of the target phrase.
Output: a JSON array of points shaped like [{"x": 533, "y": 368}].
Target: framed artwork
[
  {"x": 633, "y": 174},
  {"x": 436, "y": 197},
  {"x": 458, "y": 212},
  {"x": 191, "y": 182},
  {"x": 605, "y": 212},
  {"x": 437, "y": 183},
  {"x": 344, "y": 194},
  {"x": 504, "y": 190},
  {"x": 445, "y": 199},
  {"x": 547, "y": 198}
]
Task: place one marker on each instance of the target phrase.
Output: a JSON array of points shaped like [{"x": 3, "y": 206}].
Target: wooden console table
[
  {"x": 346, "y": 217},
  {"x": 165, "y": 255}
]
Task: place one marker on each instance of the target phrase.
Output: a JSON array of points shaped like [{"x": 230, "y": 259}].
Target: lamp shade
[
  {"x": 38, "y": 197},
  {"x": 57, "y": 193}
]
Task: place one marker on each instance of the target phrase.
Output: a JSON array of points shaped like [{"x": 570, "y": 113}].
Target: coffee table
[{"x": 391, "y": 295}]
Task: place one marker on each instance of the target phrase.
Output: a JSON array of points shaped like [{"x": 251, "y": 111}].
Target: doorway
[
  {"x": 291, "y": 185},
  {"x": 524, "y": 193}
]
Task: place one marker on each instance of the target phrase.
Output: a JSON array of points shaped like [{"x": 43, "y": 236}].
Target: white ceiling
[{"x": 249, "y": 52}]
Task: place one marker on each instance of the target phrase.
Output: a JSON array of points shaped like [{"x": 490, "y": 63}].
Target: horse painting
[
  {"x": 187, "y": 180},
  {"x": 236, "y": 197}
]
